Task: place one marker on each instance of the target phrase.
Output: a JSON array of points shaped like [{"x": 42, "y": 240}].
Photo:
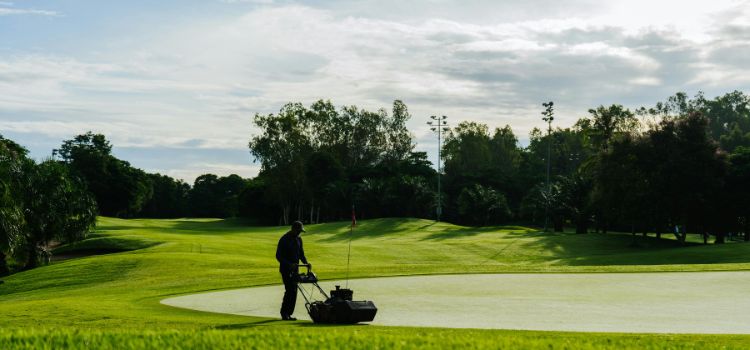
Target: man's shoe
[{"x": 288, "y": 318}]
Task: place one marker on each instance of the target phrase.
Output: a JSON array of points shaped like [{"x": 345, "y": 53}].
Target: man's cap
[{"x": 297, "y": 225}]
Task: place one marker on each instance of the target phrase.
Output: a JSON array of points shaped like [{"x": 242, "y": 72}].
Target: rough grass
[
  {"x": 104, "y": 299},
  {"x": 355, "y": 337}
]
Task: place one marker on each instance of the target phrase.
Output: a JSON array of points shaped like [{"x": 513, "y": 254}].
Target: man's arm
[{"x": 302, "y": 252}]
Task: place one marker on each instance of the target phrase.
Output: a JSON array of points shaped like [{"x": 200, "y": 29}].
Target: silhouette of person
[{"x": 289, "y": 252}]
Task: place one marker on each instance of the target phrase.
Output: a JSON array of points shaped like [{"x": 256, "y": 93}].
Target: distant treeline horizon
[{"x": 682, "y": 164}]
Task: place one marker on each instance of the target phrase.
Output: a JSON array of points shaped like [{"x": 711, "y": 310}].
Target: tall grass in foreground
[{"x": 355, "y": 337}]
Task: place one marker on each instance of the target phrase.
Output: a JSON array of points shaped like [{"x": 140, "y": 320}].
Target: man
[{"x": 289, "y": 252}]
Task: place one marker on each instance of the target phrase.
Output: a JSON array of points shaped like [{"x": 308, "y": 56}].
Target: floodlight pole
[
  {"x": 548, "y": 117},
  {"x": 439, "y": 125}
]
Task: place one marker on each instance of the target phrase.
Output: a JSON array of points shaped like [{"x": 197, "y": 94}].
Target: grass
[
  {"x": 109, "y": 299},
  {"x": 356, "y": 338}
]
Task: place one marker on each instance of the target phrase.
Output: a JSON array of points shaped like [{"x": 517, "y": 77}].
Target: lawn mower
[{"x": 338, "y": 307}]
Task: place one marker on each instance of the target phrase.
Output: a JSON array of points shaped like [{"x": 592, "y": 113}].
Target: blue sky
[{"x": 174, "y": 84}]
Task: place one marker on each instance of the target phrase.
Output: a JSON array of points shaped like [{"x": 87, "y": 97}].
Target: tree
[
  {"x": 128, "y": 189},
  {"x": 734, "y": 138},
  {"x": 467, "y": 156},
  {"x": 218, "y": 197},
  {"x": 229, "y": 189},
  {"x": 323, "y": 171},
  {"x": 621, "y": 185},
  {"x": 319, "y": 156},
  {"x": 575, "y": 199},
  {"x": 13, "y": 163},
  {"x": 693, "y": 171},
  {"x": 254, "y": 204},
  {"x": 281, "y": 148},
  {"x": 738, "y": 187},
  {"x": 204, "y": 200},
  {"x": 673, "y": 174},
  {"x": 120, "y": 190},
  {"x": 479, "y": 205},
  {"x": 572, "y": 156},
  {"x": 57, "y": 207},
  {"x": 728, "y": 115},
  {"x": 169, "y": 200},
  {"x": 467, "y": 153},
  {"x": 606, "y": 123}
]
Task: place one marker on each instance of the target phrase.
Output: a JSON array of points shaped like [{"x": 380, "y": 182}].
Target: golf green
[{"x": 681, "y": 302}]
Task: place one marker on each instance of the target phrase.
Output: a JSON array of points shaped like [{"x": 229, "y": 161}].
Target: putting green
[{"x": 683, "y": 302}]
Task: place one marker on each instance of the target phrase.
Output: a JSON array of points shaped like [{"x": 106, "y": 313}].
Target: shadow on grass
[
  {"x": 187, "y": 226},
  {"x": 100, "y": 244},
  {"x": 263, "y": 323},
  {"x": 375, "y": 228},
  {"x": 219, "y": 225},
  {"x": 106, "y": 228},
  {"x": 598, "y": 249},
  {"x": 436, "y": 230},
  {"x": 462, "y": 232},
  {"x": 279, "y": 322},
  {"x": 310, "y": 324}
]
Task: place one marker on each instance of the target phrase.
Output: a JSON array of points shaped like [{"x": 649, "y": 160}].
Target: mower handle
[{"x": 309, "y": 266}]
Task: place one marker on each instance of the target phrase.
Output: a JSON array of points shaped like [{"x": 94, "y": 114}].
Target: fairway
[
  {"x": 420, "y": 273},
  {"x": 605, "y": 302}
]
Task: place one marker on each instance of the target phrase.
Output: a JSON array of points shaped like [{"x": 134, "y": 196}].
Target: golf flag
[{"x": 354, "y": 218}]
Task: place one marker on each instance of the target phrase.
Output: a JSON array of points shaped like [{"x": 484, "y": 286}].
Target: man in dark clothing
[{"x": 289, "y": 252}]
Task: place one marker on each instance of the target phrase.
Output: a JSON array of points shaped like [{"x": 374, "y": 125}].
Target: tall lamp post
[
  {"x": 439, "y": 125},
  {"x": 548, "y": 117}
]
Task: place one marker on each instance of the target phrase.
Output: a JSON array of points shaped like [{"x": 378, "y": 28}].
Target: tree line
[
  {"x": 680, "y": 166},
  {"x": 57, "y": 200},
  {"x": 677, "y": 167}
]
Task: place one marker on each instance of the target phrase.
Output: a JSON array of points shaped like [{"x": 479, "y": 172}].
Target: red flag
[{"x": 354, "y": 218}]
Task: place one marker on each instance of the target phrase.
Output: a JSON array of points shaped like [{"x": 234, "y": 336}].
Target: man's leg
[{"x": 290, "y": 295}]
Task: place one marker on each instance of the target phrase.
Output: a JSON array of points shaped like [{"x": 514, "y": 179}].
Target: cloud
[
  {"x": 197, "y": 85},
  {"x": 248, "y": 1},
  {"x": 7, "y": 9},
  {"x": 192, "y": 171}
]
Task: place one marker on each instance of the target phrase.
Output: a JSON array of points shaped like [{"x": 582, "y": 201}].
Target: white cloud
[
  {"x": 190, "y": 172},
  {"x": 248, "y": 1},
  {"x": 204, "y": 80},
  {"x": 8, "y": 10},
  {"x": 506, "y": 45},
  {"x": 646, "y": 81}
]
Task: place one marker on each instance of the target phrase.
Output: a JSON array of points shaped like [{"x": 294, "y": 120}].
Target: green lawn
[{"x": 113, "y": 299}]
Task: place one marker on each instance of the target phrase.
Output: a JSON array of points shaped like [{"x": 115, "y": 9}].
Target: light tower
[
  {"x": 548, "y": 117},
  {"x": 439, "y": 125}
]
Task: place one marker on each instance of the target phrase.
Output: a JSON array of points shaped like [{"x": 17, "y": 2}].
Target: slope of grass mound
[{"x": 99, "y": 244}]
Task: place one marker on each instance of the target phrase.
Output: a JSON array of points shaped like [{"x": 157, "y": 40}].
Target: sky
[{"x": 174, "y": 85}]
